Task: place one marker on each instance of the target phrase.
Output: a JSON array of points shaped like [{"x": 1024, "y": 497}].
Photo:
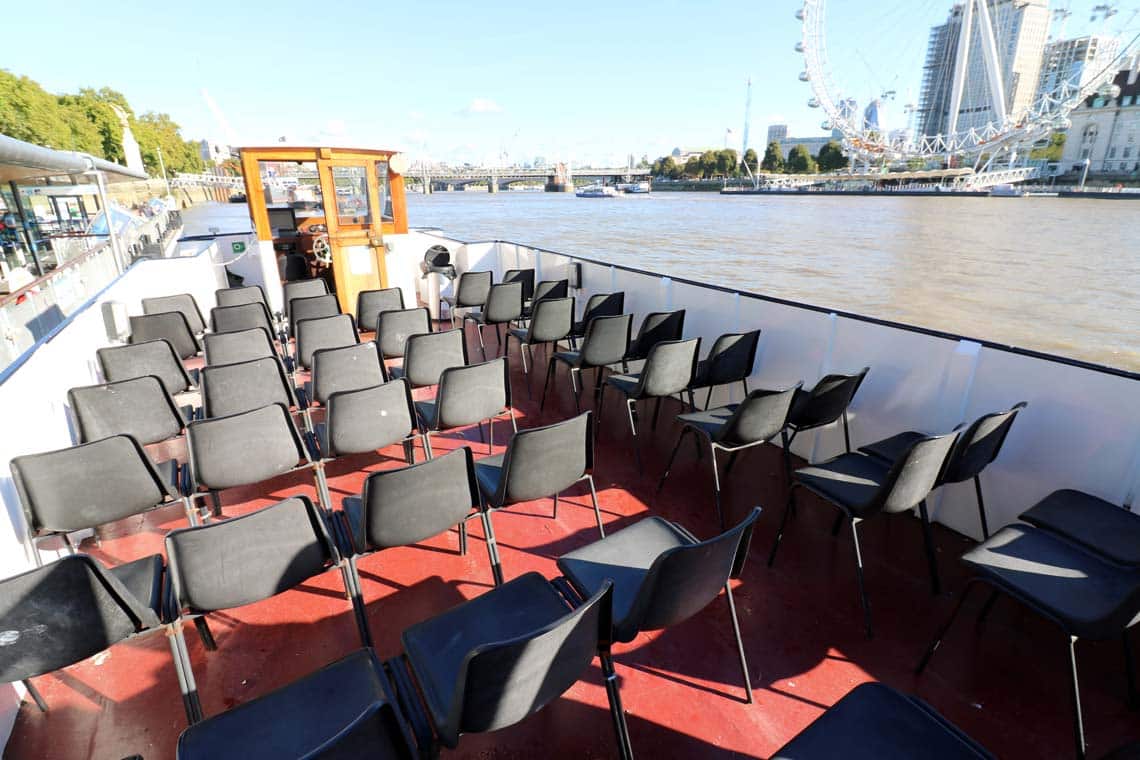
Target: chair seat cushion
[
  {"x": 627, "y": 384},
  {"x": 168, "y": 471},
  {"x": 624, "y": 557},
  {"x": 892, "y": 449},
  {"x": 426, "y": 410},
  {"x": 1084, "y": 594},
  {"x": 520, "y": 335},
  {"x": 849, "y": 480},
  {"x": 396, "y": 372},
  {"x": 1100, "y": 526},
  {"x": 573, "y": 358},
  {"x": 710, "y": 421},
  {"x": 875, "y": 722},
  {"x": 437, "y": 648},
  {"x": 143, "y": 579},
  {"x": 488, "y": 473},
  {"x": 352, "y": 507},
  {"x": 300, "y": 717}
]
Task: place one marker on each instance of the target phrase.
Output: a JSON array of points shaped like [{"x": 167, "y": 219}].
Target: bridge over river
[{"x": 499, "y": 178}]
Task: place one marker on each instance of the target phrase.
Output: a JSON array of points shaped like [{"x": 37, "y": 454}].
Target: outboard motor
[{"x": 437, "y": 260}]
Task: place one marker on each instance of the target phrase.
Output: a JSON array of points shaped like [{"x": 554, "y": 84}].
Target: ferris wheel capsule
[
  {"x": 813, "y": 102},
  {"x": 805, "y": 77},
  {"x": 799, "y": 47},
  {"x": 826, "y": 125},
  {"x": 800, "y": 14}
]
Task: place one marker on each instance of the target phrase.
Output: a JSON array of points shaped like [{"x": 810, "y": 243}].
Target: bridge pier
[{"x": 492, "y": 184}]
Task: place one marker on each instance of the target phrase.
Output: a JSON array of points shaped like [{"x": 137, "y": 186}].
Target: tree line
[
  {"x": 85, "y": 121},
  {"x": 724, "y": 163}
]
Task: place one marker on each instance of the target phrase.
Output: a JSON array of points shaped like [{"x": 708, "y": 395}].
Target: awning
[{"x": 21, "y": 160}]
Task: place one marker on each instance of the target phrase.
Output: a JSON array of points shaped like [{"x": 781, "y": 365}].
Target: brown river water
[{"x": 1054, "y": 275}]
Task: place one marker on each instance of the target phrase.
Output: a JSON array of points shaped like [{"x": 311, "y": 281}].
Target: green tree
[
  {"x": 751, "y": 160},
  {"x": 831, "y": 157},
  {"x": 726, "y": 162},
  {"x": 800, "y": 161},
  {"x": 773, "y": 158},
  {"x": 693, "y": 168},
  {"x": 1053, "y": 150},
  {"x": 665, "y": 167},
  {"x": 30, "y": 113},
  {"x": 708, "y": 164},
  {"x": 157, "y": 130}
]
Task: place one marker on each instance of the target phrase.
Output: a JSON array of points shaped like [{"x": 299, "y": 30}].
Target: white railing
[{"x": 1080, "y": 430}]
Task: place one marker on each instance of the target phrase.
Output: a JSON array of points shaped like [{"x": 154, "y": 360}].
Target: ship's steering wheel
[{"x": 322, "y": 251}]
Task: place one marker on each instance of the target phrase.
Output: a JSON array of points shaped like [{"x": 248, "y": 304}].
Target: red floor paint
[{"x": 1004, "y": 683}]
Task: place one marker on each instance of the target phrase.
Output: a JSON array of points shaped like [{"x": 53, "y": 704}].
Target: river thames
[{"x": 1059, "y": 276}]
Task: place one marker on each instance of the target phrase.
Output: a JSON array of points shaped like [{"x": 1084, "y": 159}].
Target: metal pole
[
  {"x": 162, "y": 166},
  {"x": 1085, "y": 173},
  {"x": 116, "y": 247},
  {"x": 24, "y": 228}
]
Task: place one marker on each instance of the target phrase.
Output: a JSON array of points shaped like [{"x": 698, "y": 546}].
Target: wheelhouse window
[
  {"x": 292, "y": 186},
  {"x": 385, "y": 196},
  {"x": 351, "y": 184}
]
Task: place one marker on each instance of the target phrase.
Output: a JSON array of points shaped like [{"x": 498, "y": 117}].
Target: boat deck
[{"x": 1004, "y": 682}]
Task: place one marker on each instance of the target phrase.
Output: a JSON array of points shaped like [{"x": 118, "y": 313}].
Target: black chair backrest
[
  {"x": 683, "y": 580},
  {"x": 552, "y": 320},
  {"x": 377, "y": 732},
  {"x": 302, "y": 289},
  {"x": 657, "y": 327},
  {"x": 504, "y": 303},
  {"x": 410, "y": 504},
  {"x": 297, "y": 269},
  {"x": 244, "y": 386},
  {"x": 472, "y": 393},
  {"x": 346, "y": 368},
  {"x": 473, "y": 288},
  {"x": 244, "y": 448},
  {"x": 915, "y": 474},
  {"x": 980, "y": 444},
  {"x": 760, "y": 417},
  {"x": 732, "y": 358},
  {"x": 368, "y": 419},
  {"x": 369, "y": 304},
  {"x": 323, "y": 332},
  {"x": 606, "y": 340},
  {"x": 826, "y": 402},
  {"x": 170, "y": 326},
  {"x": 246, "y": 316},
  {"x": 506, "y": 681},
  {"x": 525, "y": 276},
  {"x": 604, "y": 305},
  {"x": 249, "y": 558},
  {"x": 239, "y": 296},
  {"x": 140, "y": 408},
  {"x": 311, "y": 307},
  {"x": 155, "y": 357},
  {"x": 184, "y": 303},
  {"x": 393, "y": 328},
  {"x": 238, "y": 346},
  {"x": 62, "y": 614},
  {"x": 551, "y": 289},
  {"x": 427, "y": 356},
  {"x": 544, "y": 461},
  {"x": 669, "y": 368},
  {"x": 87, "y": 485}
]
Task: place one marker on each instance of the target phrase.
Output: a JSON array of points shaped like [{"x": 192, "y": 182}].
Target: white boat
[
  {"x": 634, "y": 188},
  {"x": 597, "y": 191}
]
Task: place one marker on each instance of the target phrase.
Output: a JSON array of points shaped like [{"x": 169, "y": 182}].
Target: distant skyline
[{"x": 505, "y": 80}]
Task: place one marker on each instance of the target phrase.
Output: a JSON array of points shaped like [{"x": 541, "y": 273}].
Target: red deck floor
[{"x": 1004, "y": 683}]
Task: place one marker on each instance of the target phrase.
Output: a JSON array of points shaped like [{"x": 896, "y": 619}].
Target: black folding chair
[
  {"x": 500, "y": 657},
  {"x": 370, "y": 303},
  {"x": 662, "y": 575},
  {"x": 368, "y": 419},
  {"x": 552, "y": 321},
  {"x": 241, "y": 295},
  {"x": 824, "y": 404},
  {"x": 862, "y": 486},
  {"x": 668, "y": 371},
  {"x": 598, "y": 305},
  {"x": 238, "y": 346},
  {"x": 246, "y": 316},
  {"x": 393, "y": 328},
  {"x": 545, "y": 290},
  {"x": 305, "y": 288},
  {"x": 504, "y": 305},
  {"x": 605, "y": 343},
  {"x": 977, "y": 446},
  {"x": 735, "y": 428},
  {"x": 184, "y": 303},
  {"x": 427, "y": 356},
  {"x": 405, "y": 506},
  {"x": 875, "y": 722},
  {"x": 85, "y": 486},
  {"x": 344, "y": 368},
  {"x": 1101, "y": 527},
  {"x": 71, "y": 609},
  {"x": 469, "y": 396},
  {"x": 730, "y": 361},
  {"x": 323, "y": 332},
  {"x": 156, "y": 357},
  {"x": 471, "y": 291},
  {"x": 245, "y": 386},
  {"x": 311, "y": 307},
  {"x": 526, "y": 277},
  {"x": 657, "y": 327},
  {"x": 248, "y": 559},
  {"x": 540, "y": 463},
  {"x": 171, "y": 326}
]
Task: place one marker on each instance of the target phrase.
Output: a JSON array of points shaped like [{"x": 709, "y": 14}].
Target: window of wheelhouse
[
  {"x": 385, "y": 196},
  {"x": 292, "y": 186},
  {"x": 351, "y": 184}
]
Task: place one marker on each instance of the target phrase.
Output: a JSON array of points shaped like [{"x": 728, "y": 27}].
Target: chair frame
[{"x": 508, "y": 410}]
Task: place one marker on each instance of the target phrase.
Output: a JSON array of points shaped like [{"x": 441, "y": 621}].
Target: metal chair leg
[
  {"x": 205, "y": 634},
  {"x": 672, "y": 456},
  {"x": 981, "y": 508},
  {"x": 594, "y": 500},
  {"x": 617, "y": 712},
  {"x": 789, "y": 505},
  {"x": 550, "y": 366},
  {"x": 601, "y": 405},
  {"x": 631, "y": 408},
  {"x": 846, "y": 432},
  {"x": 739, "y": 640},
  {"x": 492, "y": 547},
  {"x": 937, "y": 642},
  {"x": 716, "y": 486},
  {"x": 427, "y": 444},
  {"x": 185, "y": 672},
  {"x": 656, "y": 413},
  {"x": 409, "y": 452},
  {"x": 708, "y": 397},
  {"x": 555, "y": 506},
  {"x": 859, "y": 575},
  {"x": 463, "y": 538},
  {"x": 35, "y": 694},
  {"x": 352, "y": 585},
  {"x": 1078, "y": 721},
  {"x": 928, "y": 542}
]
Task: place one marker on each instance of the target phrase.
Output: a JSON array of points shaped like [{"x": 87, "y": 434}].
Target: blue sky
[{"x": 589, "y": 81}]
